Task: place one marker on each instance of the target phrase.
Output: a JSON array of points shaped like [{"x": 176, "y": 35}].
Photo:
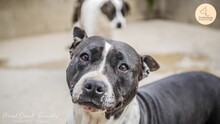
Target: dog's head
[
  {"x": 103, "y": 74},
  {"x": 115, "y": 11}
]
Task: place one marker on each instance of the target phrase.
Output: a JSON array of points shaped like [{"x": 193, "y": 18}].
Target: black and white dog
[
  {"x": 103, "y": 78},
  {"x": 100, "y": 17}
]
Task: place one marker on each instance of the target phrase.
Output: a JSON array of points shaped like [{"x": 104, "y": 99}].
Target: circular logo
[{"x": 205, "y": 14}]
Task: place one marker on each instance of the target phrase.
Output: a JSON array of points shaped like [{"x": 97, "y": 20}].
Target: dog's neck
[{"x": 130, "y": 115}]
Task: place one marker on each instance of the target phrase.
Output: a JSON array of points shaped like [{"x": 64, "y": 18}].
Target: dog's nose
[
  {"x": 118, "y": 25},
  {"x": 94, "y": 87}
]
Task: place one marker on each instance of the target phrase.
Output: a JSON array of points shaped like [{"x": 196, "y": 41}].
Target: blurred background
[{"x": 34, "y": 40}]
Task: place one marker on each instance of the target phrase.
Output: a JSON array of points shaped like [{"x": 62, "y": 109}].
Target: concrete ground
[{"x": 33, "y": 87}]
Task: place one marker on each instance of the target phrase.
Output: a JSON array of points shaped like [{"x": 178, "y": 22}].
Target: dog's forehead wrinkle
[
  {"x": 96, "y": 40},
  {"x": 128, "y": 52},
  {"x": 91, "y": 43}
]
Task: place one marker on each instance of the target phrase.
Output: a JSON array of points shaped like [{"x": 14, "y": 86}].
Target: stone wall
[{"x": 28, "y": 17}]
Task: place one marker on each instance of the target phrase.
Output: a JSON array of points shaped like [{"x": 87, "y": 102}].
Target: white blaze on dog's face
[
  {"x": 103, "y": 74},
  {"x": 115, "y": 11},
  {"x": 104, "y": 91}
]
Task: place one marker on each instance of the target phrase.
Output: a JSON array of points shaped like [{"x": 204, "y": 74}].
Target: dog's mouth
[{"x": 90, "y": 106}]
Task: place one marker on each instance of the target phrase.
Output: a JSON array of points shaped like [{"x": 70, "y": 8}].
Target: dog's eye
[
  {"x": 123, "y": 68},
  {"x": 84, "y": 57}
]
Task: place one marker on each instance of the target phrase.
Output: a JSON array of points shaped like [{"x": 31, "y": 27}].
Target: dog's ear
[
  {"x": 126, "y": 7},
  {"x": 78, "y": 36},
  {"x": 148, "y": 65}
]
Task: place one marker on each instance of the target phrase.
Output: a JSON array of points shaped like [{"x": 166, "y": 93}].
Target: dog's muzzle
[{"x": 94, "y": 95}]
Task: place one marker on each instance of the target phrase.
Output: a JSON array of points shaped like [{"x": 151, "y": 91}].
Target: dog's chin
[
  {"x": 95, "y": 105},
  {"x": 90, "y": 107}
]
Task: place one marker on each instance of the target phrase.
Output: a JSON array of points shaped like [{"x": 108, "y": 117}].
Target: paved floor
[{"x": 32, "y": 69}]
